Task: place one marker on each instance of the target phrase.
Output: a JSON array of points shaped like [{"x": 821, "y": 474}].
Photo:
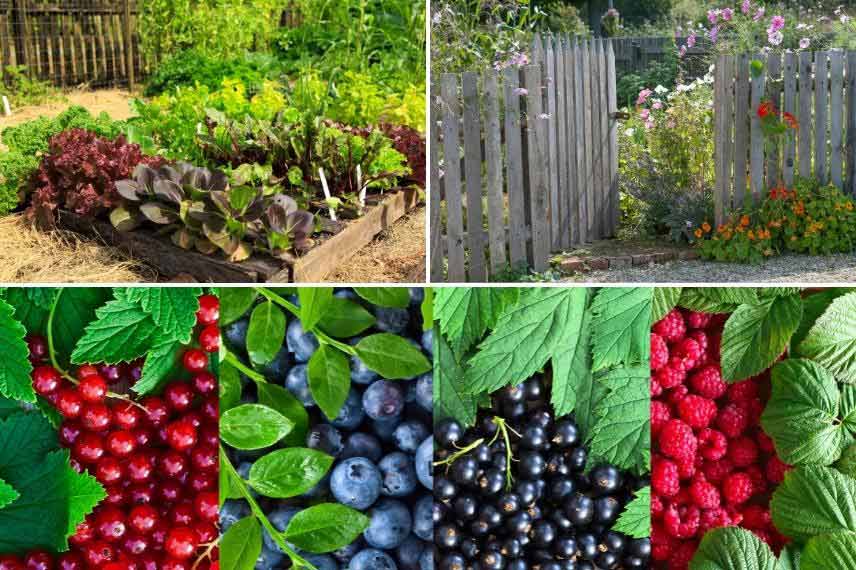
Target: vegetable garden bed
[{"x": 170, "y": 260}]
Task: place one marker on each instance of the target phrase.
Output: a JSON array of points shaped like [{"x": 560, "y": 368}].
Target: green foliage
[
  {"x": 814, "y": 500},
  {"x": 22, "y": 89},
  {"x": 733, "y": 549},
  {"x": 635, "y": 520},
  {"x": 659, "y": 72},
  {"x": 831, "y": 340}
]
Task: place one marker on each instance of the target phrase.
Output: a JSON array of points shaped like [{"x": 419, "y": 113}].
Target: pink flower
[
  {"x": 657, "y": 105},
  {"x": 713, "y": 16},
  {"x": 683, "y": 51},
  {"x": 746, "y": 7},
  {"x": 727, "y": 14},
  {"x": 804, "y": 43},
  {"x": 691, "y": 41},
  {"x": 649, "y": 124},
  {"x": 759, "y": 14},
  {"x": 643, "y": 96},
  {"x": 645, "y": 114},
  {"x": 777, "y": 23},
  {"x": 775, "y": 38},
  {"x": 713, "y": 34}
]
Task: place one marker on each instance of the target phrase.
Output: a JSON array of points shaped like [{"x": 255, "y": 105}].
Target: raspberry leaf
[
  {"x": 173, "y": 309},
  {"x": 832, "y": 339},
  {"x": 571, "y": 364},
  {"x": 241, "y": 545},
  {"x": 789, "y": 558},
  {"x": 814, "y": 305},
  {"x": 121, "y": 332},
  {"x": 695, "y": 300},
  {"x": 733, "y": 549},
  {"x": 665, "y": 299},
  {"x": 814, "y": 500},
  {"x": 15, "y": 364},
  {"x": 466, "y": 313},
  {"x": 847, "y": 463},
  {"x": 623, "y": 425},
  {"x": 450, "y": 400},
  {"x": 621, "y": 319},
  {"x": 730, "y": 295},
  {"x": 756, "y": 335},
  {"x": 635, "y": 520},
  {"x": 802, "y": 415},
  {"x": 325, "y": 527},
  {"x": 8, "y": 493},
  {"x": 836, "y": 550}
]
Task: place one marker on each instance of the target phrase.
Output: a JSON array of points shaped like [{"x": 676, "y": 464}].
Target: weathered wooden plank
[
  {"x": 850, "y": 184},
  {"x": 774, "y": 93},
  {"x": 596, "y": 139},
  {"x": 836, "y": 125},
  {"x": 536, "y": 131},
  {"x": 472, "y": 176},
  {"x": 435, "y": 205},
  {"x": 728, "y": 131},
  {"x": 821, "y": 91},
  {"x": 452, "y": 178},
  {"x": 614, "y": 206},
  {"x": 550, "y": 84},
  {"x": 805, "y": 131},
  {"x": 587, "y": 141},
  {"x": 719, "y": 156},
  {"x": 514, "y": 168},
  {"x": 573, "y": 148},
  {"x": 790, "y": 81},
  {"x": 756, "y": 159},
  {"x": 561, "y": 128},
  {"x": 493, "y": 165},
  {"x": 603, "y": 143},
  {"x": 742, "y": 94}
]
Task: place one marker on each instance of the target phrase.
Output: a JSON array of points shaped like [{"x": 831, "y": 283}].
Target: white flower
[
  {"x": 659, "y": 90},
  {"x": 629, "y": 132}
]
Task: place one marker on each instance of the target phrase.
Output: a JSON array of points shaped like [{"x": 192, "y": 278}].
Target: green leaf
[
  {"x": 229, "y": 487},
  {"x": 835, "y": 550},
  {"x": 571, "y": 363},
  {"x": 285, "y": 403},
  {"x": 329, "y": 379},
  {"x": 85, "y": 492},
  {"x": 665, "y": 299},
  {"x": 75, "y": 308},
  {"x": 622, "y": 429},
  {"x": 814, "y": 500},
  {"x": 162, "y": 363},
  {"x": 427, "y": 309},
  {"x": 234, "y": 302},
  {"x": 802, "y": 414},
  {"x": 241, "y": 545},
  {"x": 814, "y": 305},
  {"x": 392, "y": 356},
  {"x": 450, "y": 400},
  {"x": 8, "y": 494},
  {"x": 345, "y": 318},
  {"x": 693, "y": 298},
  {"x": 621, "y": 321},
  {"x": 121, "y": 332},
  {"x": 778, "y": 291},
  {"x": 395, "y": 297},
  {"x": 8, "y": 407},
  {"x": 730, "y": 295},
  {"x": 173, "y": 309},
  {"x": 253, "y": 426},
  {"x": 832, "y": 339},
  {"x": 265, "y": 333},
  {"x": 847, "y": 462},
  {"x": 589, "y": 394},
  {"x": 756, "y": 335},
  {"x": 290, "y": 472},
  {"x": 229, "y": 386},
  {"x": 466, "y": 313},
  {"x": 314, "y": 304},
  {"x": 525, "y": 337},
  {"x": 732, "y": 548},
  {"x": 15, "y": 367},
  {"x": 32, "y": 316},
  {"x": 635, "y": 521},
  {"x": 325, "y": 527},
  {"x": 789, "y": 558},
  {"x": 41, "y": 297}
]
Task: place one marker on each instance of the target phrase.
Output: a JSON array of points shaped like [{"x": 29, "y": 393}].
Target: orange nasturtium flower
[
  {"x": 751, "y": 235},
  {"x": 790, "y": 121},
  {"x": 706, "y": 227},
  {"x": 697, "y": 233},
  {"x": 744, "y": 220}
]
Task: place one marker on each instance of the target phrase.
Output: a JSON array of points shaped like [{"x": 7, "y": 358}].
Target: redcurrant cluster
[{"x": 156, "y": 458}]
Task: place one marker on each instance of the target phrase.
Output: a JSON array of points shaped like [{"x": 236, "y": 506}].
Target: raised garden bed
[{"x": 171, "y": 261}]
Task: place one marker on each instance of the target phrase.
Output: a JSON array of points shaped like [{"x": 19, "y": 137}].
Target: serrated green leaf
[
  {"x": 732, "y": 548},
  {"x": 162, "y": 362},
  {"x": 635, "y": 520},
  {"x": 325, "y": 527},
  {"x": 15, "y": 367},
  {"x": 234, "y": 303},
  {"x": 241, "y": 545},
  {"x": 789, "y": 558},
  {"x": 32, "y": 316},
  {"x": 329, "y": 379},
  {"x": 265, "y": 333},
  {"x": 466, "y": 313},
  {"x": 42, "y": 297},
  {"x": 814, "y": 305},
  {"x": 571, "y": 363},
  {"x": 394, "y": 297},
  {"x": 8, "y": 493},
  {"x": 665, "y": 299},
  {"x": 525, "y": 337},
  {"x": 621, "y": 321},
  {"x": 693, "y": 299},
  {"x": 590, "y": 391},
  {"x": 173, "y": 309},
  {"x": 814, "y": 500},
  {"x": 835, "y": 550},
  {"x": 756, "y": 335},
  {"x": 450, "y": 400},
  {"x": 778, "y": 291},
  {"x": 847, "y": 462},
  {"x": 622, "y": 429},
  {"x": 729, "y": 295},
  {"x": 84, "y": 494},
  {"x": 832, "y": 339},
  {"x": 121, "y": 332},
  {"x": 314, "y": 303},
  {"x": 75, "y": 308},
  {"x": 802, "y": 414}
]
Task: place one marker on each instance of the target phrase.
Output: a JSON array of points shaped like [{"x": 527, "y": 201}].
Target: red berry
[
  {"x": 207, "y": 506},
  {"x": 178, "y": 396},
  {"x": 83, "y": 534},
  {"x": 665, "y": 478},
  {"x": 112, "y": 373},
  {"x": 110, "y": 523},
  {"x": 209, "y": 435},
  {"x": 211, "y": 408},
  {"x": 39, "y": 560},
  {"x": 86, "y": 371},
  {"x": 115, "y": 495},
  {"x": 194, "y": 360},
  {"x": 209, "y": 310},
  {"x": 38, "y": 347},
  {"x": 743, "y": 452},
  {"x": 140, "y": 467},
  {"x": 157, "y": 411},
  {"x": 97, "y": 553},
  {"x": 69, "y": 432},
  {"x": 659, "y": 352},
  {"x": 108, "y": 470},
  {"x": 205, "y": 383},
  {"x": 204, "y": 457},
  {"x": 93, "y": 388},
  {"x": 126, "y": 416},
  {"x": 209, "y": 338},
  {"x": 170, "y": 491},
  {"x": 182, "y": 513},
  {"x": 713, "y": 445},
  {"x": 11, "y": 562},
  {"x": 181, "y": 543},
  {"x": 69, "y": 403},
  {"x": 143, "y": 437},
  {"x": 141, "y": 494},
  {"x": 737, "y": 488},
  {"x": 732, "y": 420},
  {"x": 88, "y": 448},
  {"x": 181, "y": 435},
  {"x": 46, "y": 380},
  {"x": 96, "y": 417},
  {"x": 70, "y": 561},
  {"x": 704, "y": 495},
  {"x": 135, "y": 544},
  {"x": 697, "y": 411},
  {"x": 200, "y": 481},
  {"x": 173, "y": 564},
  {"x": 143, "y": 518},
  {"x": 206, "y": 532},
  {"x": 677, "y": 440},
  {"x": 708, "y": 383},
  {"x": 121, "y": 443},
  {"x": 172, "y": 464}
]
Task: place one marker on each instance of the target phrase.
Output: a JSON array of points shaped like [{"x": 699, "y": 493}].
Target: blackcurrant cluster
[
  {"x": 512, "y": 493},
  {"x": 156, "y": 458}
]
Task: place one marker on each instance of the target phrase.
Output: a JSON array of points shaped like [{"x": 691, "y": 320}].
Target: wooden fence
[
  {"x": 636, "y": 54},
  {"x": 523, "y": 161},
  {"x": 818, "y": 88}
]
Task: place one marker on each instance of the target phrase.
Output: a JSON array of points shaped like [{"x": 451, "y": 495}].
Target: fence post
[
  {"x": 19, "y": 18},
  {"x": 851, "y": 124},
  {"x": 433, "y": 150},
  {"x": 129, "y": 44}
]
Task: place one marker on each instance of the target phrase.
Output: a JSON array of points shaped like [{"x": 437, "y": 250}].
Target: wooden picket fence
[
  {"x": 819, "y": 88},
  {"x": 524, "y": 162}
]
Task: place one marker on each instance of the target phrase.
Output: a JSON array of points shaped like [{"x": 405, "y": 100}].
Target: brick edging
[{"x": 578, "y": 264}]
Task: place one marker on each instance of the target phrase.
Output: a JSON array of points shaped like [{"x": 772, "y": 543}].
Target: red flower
[
  {"x": 766, "y": 108},
  {"x": 790, "y": 121}
]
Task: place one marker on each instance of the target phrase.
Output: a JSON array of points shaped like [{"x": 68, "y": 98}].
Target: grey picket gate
[
  {"x": 524, "y": 162},
  {"x": 819, "y": 89}
]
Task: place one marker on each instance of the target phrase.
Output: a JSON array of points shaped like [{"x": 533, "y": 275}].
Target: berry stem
[
  {"x": 237, "y": 482},
  {"x": 503, "y": 428},
  {"x": 463, "y": 451},
  {"x": 230, "y": 358},
  {"x": 51, "y": 350}
]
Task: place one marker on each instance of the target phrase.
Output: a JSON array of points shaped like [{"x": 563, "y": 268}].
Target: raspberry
[
  {"x": 765, "y": 443},
  {"x": 756, "y": 516},
  {"x": 714, "y": 518},
  {"x": 776, "y": 470},
  {"x": 696, "y": 320},
  {"x": 697, "y": 411},
  {"x": 732, "y": 420},
  {"x": 664, "y": 477},
  {"x": 743, "y": 391},
  {"x": 690, "y": 353},
  {"x": 713, "y": 445},
  {"x": 677, "y": 440},
  {"x": 737, "y": 488},
  {"x": 704, "y": 495},
  {"x": 681, "y": 557},
  {"x": 686, "y": 467},
  {"x": 764, "y": 535},
  {"x": 656, "y": 506},
  {"x": 707, "y": 382},
  {"x": 671, "y": 327},
  {"x": 662, "y": 543},
  {"x": 659, "y": 352},
  {"x": 717, "y": 471},
  {"x": 759, "y": 481},
  {"x": 656, "y": 389},
  {"x": 682, "y": 522},
  {"x": 743, "y": 452},
  {"x": 701, "y": 338},
  {"x": 677, "y": 394},
  {"x": 670, "y": 375},
  {"x": 753, "y": 408},
  {"x": 660, "y": 414}
]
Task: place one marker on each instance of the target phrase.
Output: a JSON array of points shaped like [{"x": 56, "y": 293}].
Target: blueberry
[
  {"x": 321, "y": 561},
  {"x": 372, "y": 559},
  {"x": 235, "y": 334},
  {"x": 269, "y": 559},
  {"x": 428, "y": 341},
  {"x": 356, "y": 483},
  {"x": 362, "y": 445},
  {"x": 326, "y": 438},
  {"x": 423, "y": 518},
  {"x": 399, "y": 475},
  {"x": 385, "y": 429},
  {"x": 321, "y": 488},
  {"x": 360, "y": 373},
  {"x": 243, "y": 470},
  {"x": 408, "y": 435},
  {"x": 231, "y": 512},
  {"x": 352, "y": 413},
  {"x": 279, "y": 518},
  {"x": 409, "y": 551},
  {"x": 390, "y": 524},
  {"x": 426, "y": 561},
  {"x": 302, "y": 344},
  {"x": 345, "y": 553},
  {"x": 279, "y": 366},
  {"x": 383, "y": 400},
  {"x": 425, "y": 391},
  {"x": 391, "y": 320},
  {"x": 297, "y": 382},
  {"x": 424, "y": 457}
]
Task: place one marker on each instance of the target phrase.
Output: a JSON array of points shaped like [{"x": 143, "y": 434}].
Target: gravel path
[{"x": 831, "y": 269}]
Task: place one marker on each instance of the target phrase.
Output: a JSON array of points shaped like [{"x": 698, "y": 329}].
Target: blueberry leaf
[
  {"x": 834, "y": 550},
  {"x": 265, "y": 333},
  {"x": 329, "y": 379},
  {"x": 229, "y": 386},
  {"x": 391, "y": 356},
  {"x": 241, "y": 545},
  {"x": 733, "y": 549},
  {"x": 253, "y": 426},
  {"x": 393, "y": 297},
  {"x": 314, "y": 304},
  {"x": 427, "y": 309},
  {"x": 15, "y": 364},
  {"x": 285, "y": 403},
  {"x": 814, "y": 500},
  {"x": 288, "y": 472},
  {"x": 325, "y": 527},
  {"x": 234, "y": 302},
  {"x": 345, "y": 318},
  {"x": 635, "y": 520}
]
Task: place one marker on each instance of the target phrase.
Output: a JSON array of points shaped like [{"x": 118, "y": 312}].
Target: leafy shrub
[
  {"x": 21, "y": 89},
  {"x": 663, "y": 72},
  {"x": 15, "y": 168},
  {"x": 411, "y": 144}
]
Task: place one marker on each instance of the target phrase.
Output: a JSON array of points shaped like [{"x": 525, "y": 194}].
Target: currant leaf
[
  {"x": 635, "y": 520},
  {"x": 15, "y": 364},
  {"x": 621, "y": 318}
]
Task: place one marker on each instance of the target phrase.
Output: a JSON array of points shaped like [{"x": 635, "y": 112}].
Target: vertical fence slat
[
  {"x": 472, "y": 176},
  {"x": 452, "y": 178},
  {"x": 536, "y": 131},
  {"x": 437, "y": 251},
  {"x": 718, "y": 154},
  {"x": 728, "y": 129},
  {"x": 603, "y": 143},
  {"x": 774, "y": 93},
  {"x": 850, "y": 187},
  {"x": 581, "y": 232},
  {"x": 790, "y": 81},
  {"x": 560, "y": 124},
  {"x": 756, "y": 162},
  {"x": 614, "y": 206},
  {"x": 570, "y": 148},
  {"x": 836, "y": 109},
  {"x": 586, "y": 140},
  {"x": 493, "y": 160},
  {"x": 741, "y": 130},
  {"x": 514, "y": 168},
  {"x": 597, "y": 155},
  {"x": 549, "y": 82},
  {"x": 821, "y": 89},
  {"x": 805, "y": 132}
]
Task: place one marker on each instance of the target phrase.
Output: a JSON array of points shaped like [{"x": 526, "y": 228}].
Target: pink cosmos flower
[
  {"x": 649, "y": 124},
  {"x": 759, "y": 14},
  {"x": 727, "y": 14},
  {"x": 804, "y": 43},
  {"x": 777, "y": 23},
  {"x": 683, "y": 51},
  {"x": 643, "y": 96},
  {"x": 645, "y": 114},
  {"x": 713, "y": 16},
  {"x": 657, "y": 105},
  {"x": 691, "y": 41},
  {"x": 746, "y": 7},
  {"x": 713, "y": 34}
]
